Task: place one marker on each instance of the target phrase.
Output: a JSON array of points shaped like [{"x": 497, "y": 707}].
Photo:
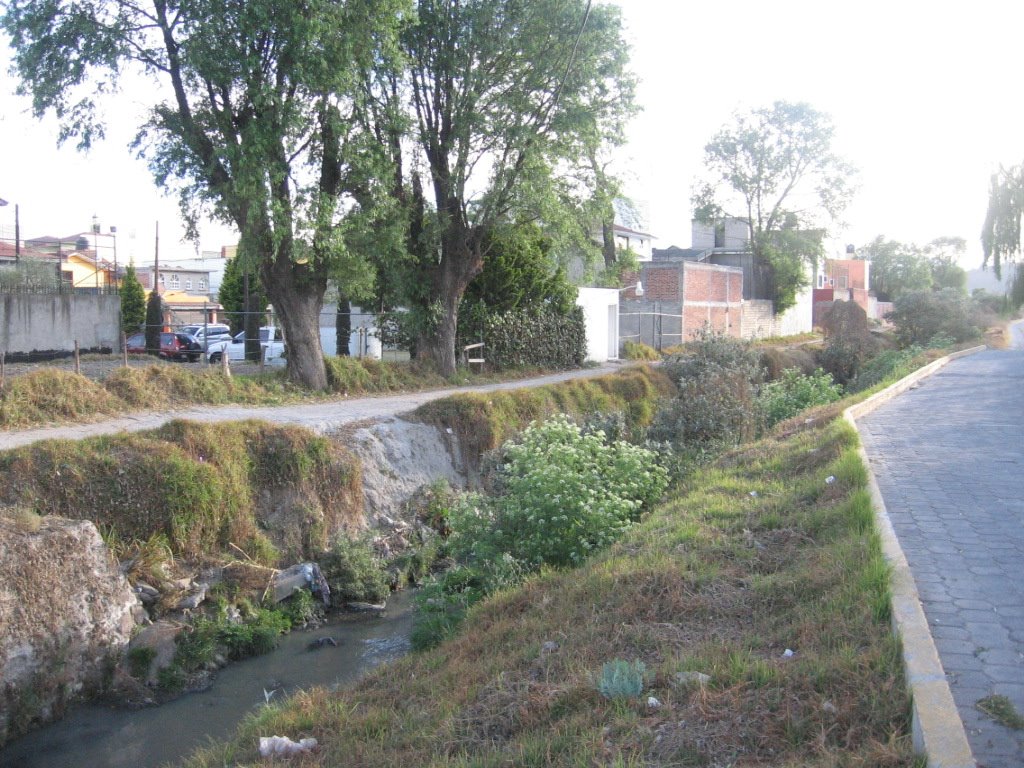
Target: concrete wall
[
  {"x": 53, "y": 322},
  {"x": 600, "y": 315},
  {"x": 760, "y": 322}
]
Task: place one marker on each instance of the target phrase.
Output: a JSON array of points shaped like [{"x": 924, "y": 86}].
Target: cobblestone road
[{"x": 949, "y": 456}]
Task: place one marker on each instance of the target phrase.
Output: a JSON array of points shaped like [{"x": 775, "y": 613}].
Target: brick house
[{"x": 847, "y": 280}]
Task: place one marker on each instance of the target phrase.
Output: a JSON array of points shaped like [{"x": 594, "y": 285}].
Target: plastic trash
[
  {"x": 282, "y": 745},
  {"x": 830, "y": 479},
  {"x": 653, "y": 703},
  {"x": 787, "y": 654}
]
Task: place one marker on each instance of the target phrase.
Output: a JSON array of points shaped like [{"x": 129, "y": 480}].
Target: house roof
[
  {"x": 621, "y": 230},
  {"x": 182, "y": 300},
  {"x": 674, "y": 252}
]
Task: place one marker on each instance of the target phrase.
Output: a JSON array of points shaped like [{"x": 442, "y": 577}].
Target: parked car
[
  {"x": 271, "y": 346},
  {"x": 208, "y": 332},
  {"x": 180, "y": 346},
  {"x": 136, "y": 344}
]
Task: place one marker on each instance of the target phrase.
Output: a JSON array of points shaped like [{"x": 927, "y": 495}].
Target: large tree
[
  {"x": 250, "y": 119},
  {"x": 774, "y": 168},
  {"x": 505, "y": 101},
  {"x": 1000, "y": 234},
  {"x": 896, "y": 268}
]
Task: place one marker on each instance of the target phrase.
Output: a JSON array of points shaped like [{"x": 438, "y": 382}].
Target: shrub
[
  {"x": 848, "y": 341},
  {"x": 565, "y": 494},
  {"x": 544, "y": 339},
  {"x": 715, "y": 403},
  {"x": 354, "y": 572},
  {"x": 795, "y": 392},
  {"x": 920, "y": 316}
]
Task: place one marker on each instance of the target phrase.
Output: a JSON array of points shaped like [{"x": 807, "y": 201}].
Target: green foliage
[
  {"x": 848, "y": 341},
  {"x": 888, "y": 365},
  {"x": 621, "y": 679},
  {"x": 354, "y": 572},
  {"x": 1016, "y": 295},
  {"x": 757, "y": 170},
  {"x": 139, "y": 659},
  {"x": 154, "y": 322},
  {"x": 256, "y": 636},
  {"x": 715, "y": 404},
  {"x": 563, "y": 495},
  {"x": 526, "y": 339},
  {"x": 255, "y": 133},
  {"x": 29, "y": 273},
  {"x": 507, "y": 102},
  {"x": 795, "y": 392},
  {"x": 896, "y": 268},
  {"x": 519, "y": 273},
  {"x": 133, "y": 301},
  {"x": 231, "y": 294},
  {"x": 920, "y": 316}
]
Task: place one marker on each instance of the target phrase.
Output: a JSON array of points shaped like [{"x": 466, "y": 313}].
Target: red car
[
  {"x": 136, "y": 344},
  {"x": 180, "y": 346}
]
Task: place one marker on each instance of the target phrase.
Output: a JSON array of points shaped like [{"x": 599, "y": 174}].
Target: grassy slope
[{"x": 717, "y": 580}]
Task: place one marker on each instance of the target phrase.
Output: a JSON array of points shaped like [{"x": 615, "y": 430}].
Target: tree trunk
[
  {"x": 298, "y": 296},
  {"x": 608, "y": 244},
  {"x": 460, "y": 263},
  {"x": 343, "y": 327}
]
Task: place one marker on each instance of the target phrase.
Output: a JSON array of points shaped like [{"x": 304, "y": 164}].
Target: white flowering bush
[
  {"x": 794, "y": 392},
  {"x": 566, "y": 493}
]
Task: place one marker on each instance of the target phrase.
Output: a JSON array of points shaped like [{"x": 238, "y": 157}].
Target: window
[
  {"x": 202, "y": 285},
  {"x": 188, "y": 284},
  {"x": 175, "y": 281},
  {"x": 163, "y": 279}
]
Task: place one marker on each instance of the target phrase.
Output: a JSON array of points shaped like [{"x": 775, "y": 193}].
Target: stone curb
[{"x": 937, "y": 730}]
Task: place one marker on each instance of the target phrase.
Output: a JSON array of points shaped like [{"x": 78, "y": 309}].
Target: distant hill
[{"x": 986, "y": 279}]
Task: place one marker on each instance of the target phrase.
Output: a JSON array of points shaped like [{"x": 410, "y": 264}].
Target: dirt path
[{"x": 319, "y": 417}]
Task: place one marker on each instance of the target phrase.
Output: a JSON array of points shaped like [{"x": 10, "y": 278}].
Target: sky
[{"x": 923, "y": 96}]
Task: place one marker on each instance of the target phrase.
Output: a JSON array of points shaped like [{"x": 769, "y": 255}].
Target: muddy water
[{"x": 101, "y": 737}]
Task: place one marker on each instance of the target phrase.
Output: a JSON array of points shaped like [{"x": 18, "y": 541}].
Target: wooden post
[
  {"x": 3, "y": 355},
  {"x": 225, "y": 366},
  {"x": 78, "y": 360},
  {"x": 124, "y": 348}
]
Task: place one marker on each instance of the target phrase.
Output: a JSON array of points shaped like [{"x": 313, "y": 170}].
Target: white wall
[
  {"x": 799, "y": 318},
  {"x": 602, "y": 333}
]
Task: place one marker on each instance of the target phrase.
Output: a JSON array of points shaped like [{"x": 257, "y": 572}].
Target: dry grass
[{"x": 718, "y": 580}]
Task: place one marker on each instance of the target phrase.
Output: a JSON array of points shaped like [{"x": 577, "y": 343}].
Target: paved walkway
[
  {"x": 949, "y": 459},
  {"x": 319, "y": 417}
]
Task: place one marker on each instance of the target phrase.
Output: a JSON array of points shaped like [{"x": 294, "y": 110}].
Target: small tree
[
  {"x": 133, "y": 301},
  {"x": 774, "y": 168},
  {"x": 154, "y": 322}
]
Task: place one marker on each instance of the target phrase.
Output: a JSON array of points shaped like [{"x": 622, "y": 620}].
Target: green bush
[
  {"x": 795, "y": 392},
  {"x": 354, "y": 572},
  {"x": 634, "y": 350},
  {"x": 848, "y": 341},
  {"x": 544, "y": 339},
  {"x": 715, "y": 404},
  {"x": 920, "y": 316},
  {"x": 564, "y": 495}
]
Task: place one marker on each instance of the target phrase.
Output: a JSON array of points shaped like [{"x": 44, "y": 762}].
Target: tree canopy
[
  {"x": 775, "y": 169},
  {"x": 250, "y": 120},
  {"x": 900, "y": 268},
  {"x": 505, "y": 103}
]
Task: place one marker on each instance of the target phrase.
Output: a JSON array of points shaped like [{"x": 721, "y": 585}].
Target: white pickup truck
[{"x": 271, "y": 345}]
